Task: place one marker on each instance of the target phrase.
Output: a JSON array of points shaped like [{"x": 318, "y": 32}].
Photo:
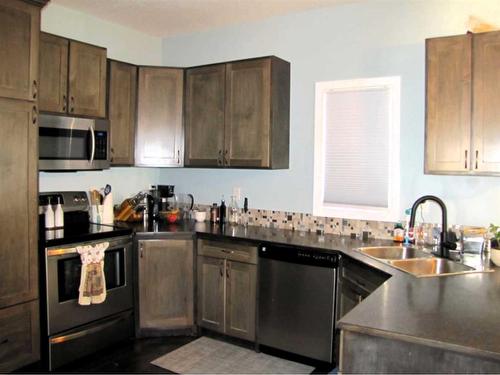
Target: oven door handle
[
  {"x": 92, "y": 138},
  {"x": 76, "y": 335}
]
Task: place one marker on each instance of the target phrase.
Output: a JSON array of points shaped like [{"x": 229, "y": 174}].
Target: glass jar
[{"x": 233, "y": 211}]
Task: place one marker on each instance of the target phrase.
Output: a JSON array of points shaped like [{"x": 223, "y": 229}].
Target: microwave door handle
[{"x": 92, "y": 138}]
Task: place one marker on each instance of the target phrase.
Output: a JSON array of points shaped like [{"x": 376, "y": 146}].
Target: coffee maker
[{"x": 158, "y": 200}]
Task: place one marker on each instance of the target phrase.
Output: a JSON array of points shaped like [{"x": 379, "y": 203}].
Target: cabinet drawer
[
  {"x": 19, "y": 336},
  {"x": 363, "y": 276},
  {"x": 228, "y": 250}
]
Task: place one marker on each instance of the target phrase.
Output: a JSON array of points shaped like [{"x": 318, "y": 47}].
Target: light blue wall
[
  {"x": 122, "y": 44},
  {"x": 367, "y": 39}
]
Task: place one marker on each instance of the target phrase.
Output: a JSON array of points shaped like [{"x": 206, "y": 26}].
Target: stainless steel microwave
[{"x": 73, "y": 143}]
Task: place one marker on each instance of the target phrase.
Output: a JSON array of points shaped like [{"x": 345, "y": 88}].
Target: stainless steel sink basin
[
  {"x": 431, "y": 266},
  {"x": 393, "y": 252}
]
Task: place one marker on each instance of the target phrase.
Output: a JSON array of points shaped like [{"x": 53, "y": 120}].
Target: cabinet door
[
  {"x": 166, "y": 284},
  {"x": 19, "y": 38},
  {"x": 204, "y": 116},
  {"x": 159, "y": 137},
  {"x": 122, "y": 110},
  {"x": 211, "y": 293},
  {"x": 19, "y": 196},
  {"x": 486, "y": 111},
  {"x": 87, "y": 80},
  {"x": 448, "y": 104},
  {"x": 241, "y": 299},
  {"x": 19, "y": 336},
  {"x": 349, "y": 297},
  {"x": 53, "y": 73},
  {"x": 248, "y": 113}
]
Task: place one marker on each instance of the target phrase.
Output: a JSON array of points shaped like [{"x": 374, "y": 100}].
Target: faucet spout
[{"x": 444, "y": 245}]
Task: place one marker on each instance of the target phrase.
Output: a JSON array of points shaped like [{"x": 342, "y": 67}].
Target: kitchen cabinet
[
  {"x": 204, "y": 115},
  {"x": 356, "y": 282},
  {"x": 19, "y": 194},
  {"x": 54, "y": 52},
  {"x": 122, "y": 91},
  {"x": 19, "y": 336},
  {"x": 19, "y": 312},
  {"x": 19, "y": 41},
  {"x": 463, "y": 83},
  {"x": 227, "y": 281},
  {"x": 165, "y": 286},
  {"x": 73, "y": 79},
  {"x": 248, "y": 103},
  {"x": 159, "y": 133}
]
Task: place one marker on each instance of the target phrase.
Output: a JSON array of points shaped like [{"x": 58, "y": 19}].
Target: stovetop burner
[{"x": 77, "y": 227}]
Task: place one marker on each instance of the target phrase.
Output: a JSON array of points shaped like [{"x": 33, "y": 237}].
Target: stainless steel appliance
[
  {"x": 72, "y": 143},
  {"x": 69, "y": 330},
  {"x": 297, "y": 301}
]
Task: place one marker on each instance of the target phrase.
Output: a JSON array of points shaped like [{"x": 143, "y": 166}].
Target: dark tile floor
[{"x": 132, "y": 356}]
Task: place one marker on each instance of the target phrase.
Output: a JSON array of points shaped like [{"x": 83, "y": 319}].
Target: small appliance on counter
[{"x": 68, "y": 329}]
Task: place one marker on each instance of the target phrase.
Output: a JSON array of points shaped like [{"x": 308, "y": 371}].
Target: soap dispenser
[
  {"x": 59, "y": 215},
  {"x": 49, "y": 216}
]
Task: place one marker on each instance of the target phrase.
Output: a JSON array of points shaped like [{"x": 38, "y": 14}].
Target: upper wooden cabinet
[
  {"x": 204, "y": 115},
  {"x": 122, "y": 111},
  {"x": 159, "y": 135},
  {"x": 462, "y": 118},
  {"x": 237, "y": 114},
  {"x": 73, "y": 77},
  {"x": 19, "y": 40},
  {"x": 54, "y": 72},
  {"x": 166, "y": 285}
]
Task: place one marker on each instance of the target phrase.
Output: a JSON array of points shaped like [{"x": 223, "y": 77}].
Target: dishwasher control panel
[{"x": 299, "y": 255}]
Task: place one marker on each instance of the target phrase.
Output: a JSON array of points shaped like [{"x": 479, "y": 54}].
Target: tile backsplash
[{"x": 309, "y": 223}]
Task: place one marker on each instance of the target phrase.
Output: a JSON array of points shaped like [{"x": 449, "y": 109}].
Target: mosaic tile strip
[{"x": 298, "y": 221}]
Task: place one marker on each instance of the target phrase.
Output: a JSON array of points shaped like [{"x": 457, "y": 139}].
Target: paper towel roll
[{"x": 108, "y": 214}]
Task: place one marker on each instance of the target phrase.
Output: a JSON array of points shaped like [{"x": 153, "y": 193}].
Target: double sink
[{"x": 415, "y": 261}]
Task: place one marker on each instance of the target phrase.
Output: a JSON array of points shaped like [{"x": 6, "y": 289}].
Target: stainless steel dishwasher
[{"x": 297, "y": 300}]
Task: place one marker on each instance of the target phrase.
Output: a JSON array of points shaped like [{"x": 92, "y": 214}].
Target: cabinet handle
[
  {"x": 477, "y": 157},
  {"x": 178, "y": 156},
  {"x": 219, "y": 159},
  {"x": 4, "y": 341},
  {"x": 65, "y": 103},
  {"x": 35, "y": 89},
  {"x": 466, "y": 153},
  {"x": 141, "y": 251},
  {"x": 33, "y": 115},
  {"x": 228, "y": 270},
  {"x": 225, "y": 158},
  {"x": 221, "y": 270},
  {"x": 72, "y": 108}
]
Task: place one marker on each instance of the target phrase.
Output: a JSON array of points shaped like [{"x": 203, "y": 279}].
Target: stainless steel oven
[
  {"x": 73, "y": 329},
  {"x": 72, "y": 143}
]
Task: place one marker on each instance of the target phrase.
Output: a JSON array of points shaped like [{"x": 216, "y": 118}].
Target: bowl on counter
[
  {"x": 199, "y": 216},
  {"x": 495, "y": 256}
]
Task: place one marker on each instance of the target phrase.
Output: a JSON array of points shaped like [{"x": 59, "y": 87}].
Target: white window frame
[{"x": 390, "y": 213}]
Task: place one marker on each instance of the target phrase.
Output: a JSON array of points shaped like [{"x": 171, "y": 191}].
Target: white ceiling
[{"x": 170, "y": 17}]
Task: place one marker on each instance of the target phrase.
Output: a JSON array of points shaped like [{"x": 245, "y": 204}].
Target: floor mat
[{"x": 209, "y": 356}]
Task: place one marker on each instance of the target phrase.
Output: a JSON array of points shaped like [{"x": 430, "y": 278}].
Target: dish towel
[{"x": 92, "y": 282}]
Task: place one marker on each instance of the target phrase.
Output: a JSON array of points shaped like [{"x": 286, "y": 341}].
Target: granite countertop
[{"x": 459, "y": 312}]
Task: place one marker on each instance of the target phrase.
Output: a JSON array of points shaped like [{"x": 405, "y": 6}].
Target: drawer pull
[
  {"x": 4, "y": 341},
  {"x": 228, "y": 251}
]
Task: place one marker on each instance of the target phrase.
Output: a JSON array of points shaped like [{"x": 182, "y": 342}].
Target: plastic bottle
[
  {"x": 399, "y": 233},
  {"x": 233, "y": 211},
  {"x": 59, "y": 215},
  {"x": 49, "y": 216}
]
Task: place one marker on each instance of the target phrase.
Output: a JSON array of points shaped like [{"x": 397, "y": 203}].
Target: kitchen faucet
[{"x": 444, "y": 245}]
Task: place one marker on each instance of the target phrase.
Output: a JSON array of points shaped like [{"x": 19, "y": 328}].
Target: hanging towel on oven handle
[{"x": 92, "y": 282}]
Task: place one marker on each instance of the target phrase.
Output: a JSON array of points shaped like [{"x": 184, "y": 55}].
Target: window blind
[{"x": 356, "y": 144}]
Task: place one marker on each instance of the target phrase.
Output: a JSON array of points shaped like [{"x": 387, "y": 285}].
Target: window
[{"x": 356, "y": 153}]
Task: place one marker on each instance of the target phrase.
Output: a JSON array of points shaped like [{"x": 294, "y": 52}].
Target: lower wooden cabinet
[
  {"x": 19, "y": 336},
  {"x": 165, "y": 286},
  {"x": 227, "y": 289}
]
